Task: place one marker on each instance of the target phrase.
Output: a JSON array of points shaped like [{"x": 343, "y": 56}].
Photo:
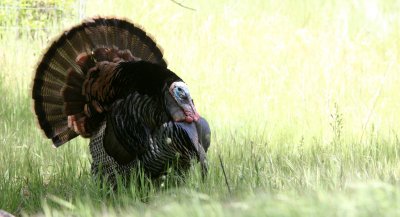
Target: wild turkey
[{"x": 106, "y": 80}]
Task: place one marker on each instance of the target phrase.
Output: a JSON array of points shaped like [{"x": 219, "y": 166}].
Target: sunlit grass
[{"x": 302, "y": 97}]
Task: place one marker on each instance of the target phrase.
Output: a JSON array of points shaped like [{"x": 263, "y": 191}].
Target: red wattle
[{"x": 190, "y": 116}]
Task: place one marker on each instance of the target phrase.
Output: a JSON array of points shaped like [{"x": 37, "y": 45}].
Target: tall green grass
[{"x": 302, "y": 98}]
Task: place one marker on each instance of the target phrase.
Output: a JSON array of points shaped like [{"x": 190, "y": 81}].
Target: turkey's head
[{"x": 180, "y": 104}]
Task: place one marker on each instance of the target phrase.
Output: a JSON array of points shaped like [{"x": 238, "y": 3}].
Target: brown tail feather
[
  {"x": 63, "y": 137},
  {"x": 71, "y": 108},
  {"x": 72, "y": 94},
  {"x": 58, "y": 89},
  {"x": 74, "y": 79}
]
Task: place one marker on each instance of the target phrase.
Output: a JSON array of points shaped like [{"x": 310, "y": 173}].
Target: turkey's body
[
  {"x": 102, "y": 163},
  {"x": 106, "y": 80}
]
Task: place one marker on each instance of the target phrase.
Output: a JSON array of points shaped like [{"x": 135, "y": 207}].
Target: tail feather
[
  {"x": 49, "y": 100},
  {"x": 71, "y": 94},
  {"x": 63, "y": 70},
  {"x": 48, "y": 89},
  {"x": 51, "y": 72},
  {"x": 85, "y": 62},
  {"x": 78, "y": 39},
  {"x": 63, "y": 137},
  {"x": 75, "y": 79},
  {"x": 52, "y": 128},
  {"x": 72, "y": 108}
]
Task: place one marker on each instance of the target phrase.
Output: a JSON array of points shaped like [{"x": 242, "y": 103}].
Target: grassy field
[{"x": 303, "y": 98}]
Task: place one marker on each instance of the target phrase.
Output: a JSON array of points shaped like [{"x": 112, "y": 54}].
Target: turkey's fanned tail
[{"x": 61, "y": 73}]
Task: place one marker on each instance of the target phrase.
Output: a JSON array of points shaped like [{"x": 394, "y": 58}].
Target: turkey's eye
[
  {"x": 183, "y": 95},
  {"x": 180, "y": 93}
]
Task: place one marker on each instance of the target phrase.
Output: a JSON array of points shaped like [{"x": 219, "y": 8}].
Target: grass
[{"x": 302, "y": 97}]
